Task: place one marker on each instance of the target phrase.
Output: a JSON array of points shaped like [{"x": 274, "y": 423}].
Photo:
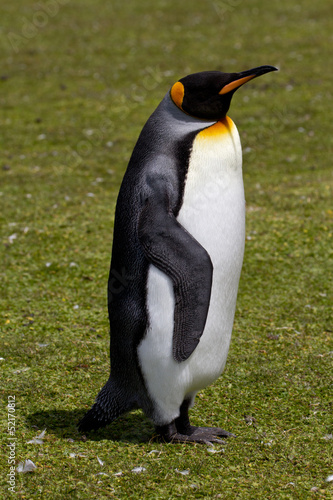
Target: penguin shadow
[{"x": 129, "y": 428}]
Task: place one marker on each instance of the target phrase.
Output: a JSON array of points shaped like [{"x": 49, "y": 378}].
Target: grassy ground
[{"x": 78, "y": 80}]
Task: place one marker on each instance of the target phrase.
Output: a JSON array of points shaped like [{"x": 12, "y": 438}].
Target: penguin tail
[{"x": 109, "y": 405}]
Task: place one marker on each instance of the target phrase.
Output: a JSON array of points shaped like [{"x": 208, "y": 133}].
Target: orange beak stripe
[{"x": 235, "y": 84}]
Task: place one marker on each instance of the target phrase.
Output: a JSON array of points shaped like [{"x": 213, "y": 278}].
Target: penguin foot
[
  {"x": 211, "y": 434},
  {"x": 191, "y": 434},
  {"x": 180, "y": 430}
]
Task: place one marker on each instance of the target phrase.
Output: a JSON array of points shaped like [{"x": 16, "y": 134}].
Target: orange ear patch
[{"x": 177, "y": 94}]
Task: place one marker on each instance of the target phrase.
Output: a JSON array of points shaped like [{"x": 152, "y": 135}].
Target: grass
[{"x": 77, "y": 84}]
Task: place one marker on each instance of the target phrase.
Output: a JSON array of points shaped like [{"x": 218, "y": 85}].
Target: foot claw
[{"x": 218, "y": 441}]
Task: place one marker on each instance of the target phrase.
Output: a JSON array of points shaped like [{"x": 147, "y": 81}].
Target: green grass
[{"x": 75, "y": 92}]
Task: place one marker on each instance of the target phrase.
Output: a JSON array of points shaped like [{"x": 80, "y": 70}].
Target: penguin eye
[{"x": 177, "y": 94}]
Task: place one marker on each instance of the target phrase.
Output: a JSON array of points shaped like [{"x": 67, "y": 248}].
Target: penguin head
[{"x": 207, "y": 95}]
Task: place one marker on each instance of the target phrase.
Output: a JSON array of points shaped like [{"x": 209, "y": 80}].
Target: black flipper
[
  {"x": 174, "y": 251},
  {"x": 109, "y": 405}
]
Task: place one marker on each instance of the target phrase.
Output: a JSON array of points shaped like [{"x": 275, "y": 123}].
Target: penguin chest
[{"x": 213, "y": 207}]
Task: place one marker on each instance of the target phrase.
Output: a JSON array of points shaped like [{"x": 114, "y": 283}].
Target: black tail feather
[{"x": 109, "y": 405}]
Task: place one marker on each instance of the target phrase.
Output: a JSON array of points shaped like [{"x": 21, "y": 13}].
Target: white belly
[{"x": 213, "y": 211}]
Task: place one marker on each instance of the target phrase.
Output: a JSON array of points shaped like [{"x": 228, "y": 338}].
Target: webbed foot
[
  {"x": 180, "y": 430},
  {"x": 205, "y": 435}
]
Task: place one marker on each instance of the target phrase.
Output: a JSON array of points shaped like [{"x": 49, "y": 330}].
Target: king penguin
[{"x": 177, "y": 255}]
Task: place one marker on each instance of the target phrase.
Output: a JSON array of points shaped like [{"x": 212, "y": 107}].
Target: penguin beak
[{"x": 245, "y": 76}]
